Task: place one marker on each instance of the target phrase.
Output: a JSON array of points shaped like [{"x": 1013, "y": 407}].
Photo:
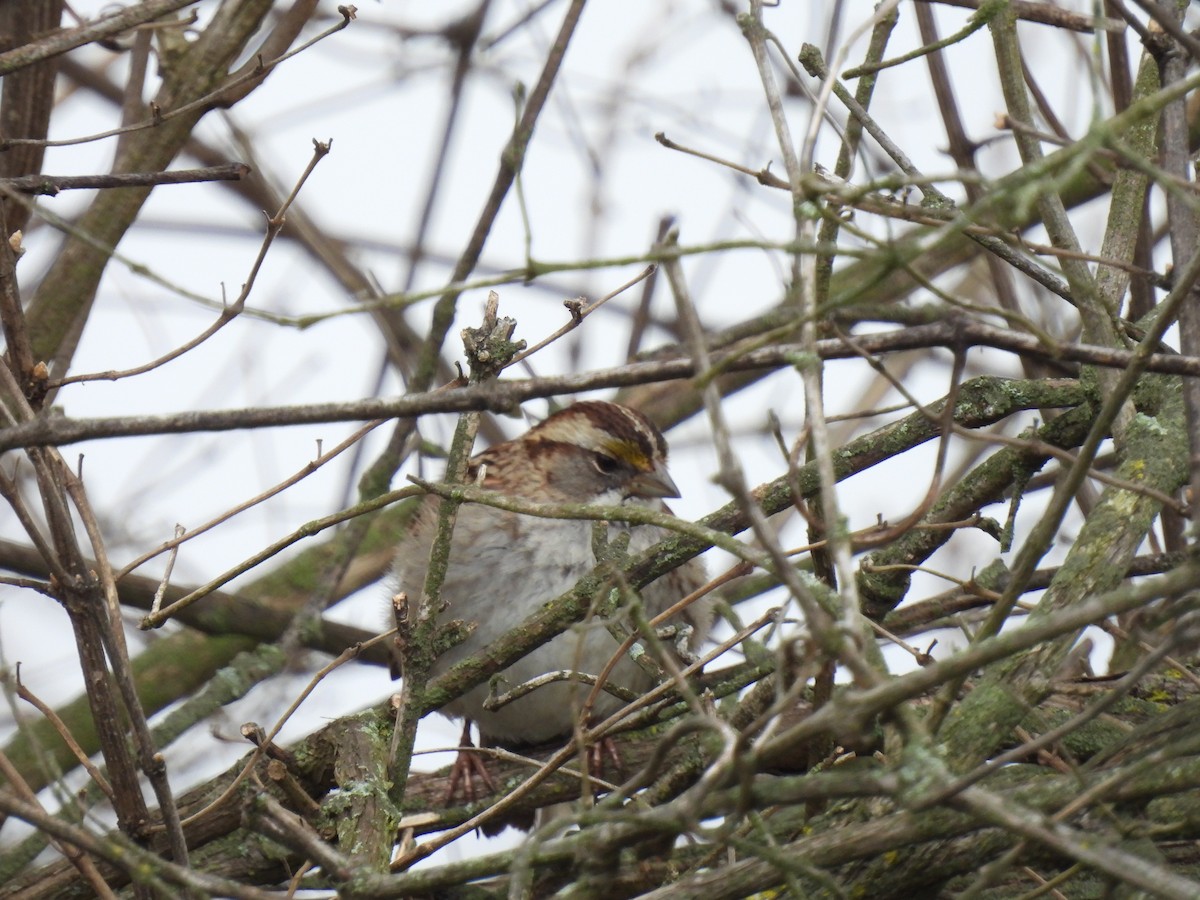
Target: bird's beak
[{"x": 655, "y": 483}]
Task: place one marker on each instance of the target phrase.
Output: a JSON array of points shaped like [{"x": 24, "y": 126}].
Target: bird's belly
[
  {"x": 550, "y": 711},
  {"x": 520, "y": 583}
]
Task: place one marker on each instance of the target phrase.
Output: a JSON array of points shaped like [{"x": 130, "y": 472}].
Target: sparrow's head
[{"x": 595, "y": 450}]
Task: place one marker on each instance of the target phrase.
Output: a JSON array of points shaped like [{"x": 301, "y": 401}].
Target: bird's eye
[{"x": 605, "y": 465}]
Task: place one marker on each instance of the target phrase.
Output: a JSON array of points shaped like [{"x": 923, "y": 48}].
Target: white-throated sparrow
[{"x": 503, "y": 566}]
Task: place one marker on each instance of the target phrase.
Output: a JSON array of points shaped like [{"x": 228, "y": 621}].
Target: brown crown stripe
[{"x": 609, "y": 421}]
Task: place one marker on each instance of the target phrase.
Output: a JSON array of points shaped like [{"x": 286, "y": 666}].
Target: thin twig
[
  {"x": 255, "y": 73},
  {"x": 274, "y": 226},
  {"x": 306, "y": 470},
  {"x": 261, "y": 746},
  {"x": 64, "y": 732},
  {"x": 51, "y": 185},
  {"x": 503, "y": 395}
]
